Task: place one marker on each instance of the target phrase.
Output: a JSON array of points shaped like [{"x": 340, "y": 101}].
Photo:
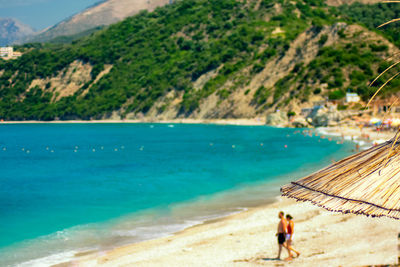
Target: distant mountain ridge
[
  {"x": 11, "y": 30},
  {"x": 101, "y": 14}
]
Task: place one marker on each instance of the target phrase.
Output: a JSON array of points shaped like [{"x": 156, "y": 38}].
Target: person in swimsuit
[
  {"x": 281, "y": 233},
  {"x": 289, "y": 237}
]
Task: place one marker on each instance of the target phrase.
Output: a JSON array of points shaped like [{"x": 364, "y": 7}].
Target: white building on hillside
[
  {"x": 352, "y": 98},
  {"x": 6, "y": 52},
  {"x": 9, "y": 53}
]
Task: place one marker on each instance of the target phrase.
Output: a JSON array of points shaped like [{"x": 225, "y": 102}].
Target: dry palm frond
[
  {"x": 388, "y": 22},
  {"x": 366, "y": 183},
  {"x": 380, "y": 88},
  {"x": 383, "y": 72}
]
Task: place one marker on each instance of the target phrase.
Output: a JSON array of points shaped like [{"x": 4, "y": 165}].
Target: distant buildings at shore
[{"x": 8, "y": 52}]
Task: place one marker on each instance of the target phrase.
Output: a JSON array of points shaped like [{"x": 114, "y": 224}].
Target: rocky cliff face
[
  {"x": 304, "y": 51},
  {"x": 11, "y": 30},
  {"x": 104, "y": 13}
]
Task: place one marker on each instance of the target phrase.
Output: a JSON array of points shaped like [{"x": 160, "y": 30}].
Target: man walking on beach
[{"x": 281, "y": 233}]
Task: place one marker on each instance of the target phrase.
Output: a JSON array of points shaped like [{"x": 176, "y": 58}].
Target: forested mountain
[{"x": 205, "y": 59}]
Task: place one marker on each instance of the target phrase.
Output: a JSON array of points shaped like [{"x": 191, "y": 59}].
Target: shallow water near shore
[{"x": 68, "y": 188}]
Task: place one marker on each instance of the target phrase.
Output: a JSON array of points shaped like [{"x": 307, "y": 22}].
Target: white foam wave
[
  {"x": 49, "y": 260},
  {"x": 154, "y": 231}
]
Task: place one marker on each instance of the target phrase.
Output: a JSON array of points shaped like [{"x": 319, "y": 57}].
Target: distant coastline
[
  {"x": 354, "y": 133},
  {"x": 244, "y": 121}
]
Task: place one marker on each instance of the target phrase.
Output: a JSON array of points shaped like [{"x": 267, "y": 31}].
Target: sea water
[{"x": 69, "y": 188}]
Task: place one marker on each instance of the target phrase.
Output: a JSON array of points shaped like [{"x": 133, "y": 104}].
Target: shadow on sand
[{"x": 270, "y": 259}]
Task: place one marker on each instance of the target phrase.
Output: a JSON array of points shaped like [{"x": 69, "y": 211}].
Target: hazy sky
[{"x": 41, "y": 14}]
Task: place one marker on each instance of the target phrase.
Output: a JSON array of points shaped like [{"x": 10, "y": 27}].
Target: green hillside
[{"x": 203, "y": 58}]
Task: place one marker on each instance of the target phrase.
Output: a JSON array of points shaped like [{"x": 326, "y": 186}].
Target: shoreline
[
  {"x": 243, "y": 121},
  {"x": 248, "y": 238},
  {"x": 371, "y": 234},
  {"x": 364, "y": 137},
  {"x": 223, "y": 206},
  {"x": 72, "y": 256}
]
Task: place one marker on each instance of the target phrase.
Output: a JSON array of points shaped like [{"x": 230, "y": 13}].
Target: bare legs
[
  {"x": 290, "y": 249},
  {"x": 280, "y": 250}
]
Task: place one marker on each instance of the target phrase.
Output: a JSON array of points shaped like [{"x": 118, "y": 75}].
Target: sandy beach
[
  {"x": 366, "y": 134},
  {"x": 248, "y": 239}
]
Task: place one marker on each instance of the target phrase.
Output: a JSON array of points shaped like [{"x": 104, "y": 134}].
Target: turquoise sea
[{"x": 68, "y": 188}]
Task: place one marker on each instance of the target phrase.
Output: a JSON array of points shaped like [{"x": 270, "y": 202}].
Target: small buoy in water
[
  {"x": 285, "y": 146},
  {"x": 116, "y": 149},
  {"x": 233, "y": 146},
  {"x": 75, "y": 150},
  {"x": 28, "y": 151},
  {"x": 52, "y": 151},
  {"x": 141, "y": 148},
  {"x": 23, "y": 149},
  {"x": 47, "y": 148},
  {"x": 262, "y": 144},
  {"x": 4, "y": 149},
  {"x": 94, "y": 150}
]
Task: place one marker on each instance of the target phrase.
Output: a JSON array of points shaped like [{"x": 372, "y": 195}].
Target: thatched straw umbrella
[{"x": 366, "y": 183}]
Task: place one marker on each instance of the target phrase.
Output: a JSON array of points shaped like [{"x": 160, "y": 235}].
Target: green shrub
[
  {"x": 336, "y": 95},
  {"x": 323, "y": 39},
  {"x": 378, "y": 48},
  {"x": 291, "y": 114},
  {"x": 261, "y": 95},
  {"x": 258, "y": 67},
  {"x": 317, "y": 91}
]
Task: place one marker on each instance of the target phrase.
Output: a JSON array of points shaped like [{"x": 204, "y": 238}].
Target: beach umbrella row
[{"x": 394, "y": 122}]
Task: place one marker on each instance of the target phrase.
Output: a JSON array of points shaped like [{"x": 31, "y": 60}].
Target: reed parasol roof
[{"x": 366, "y": 183}]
